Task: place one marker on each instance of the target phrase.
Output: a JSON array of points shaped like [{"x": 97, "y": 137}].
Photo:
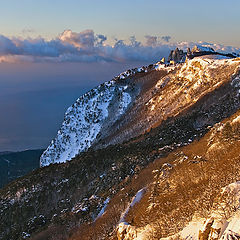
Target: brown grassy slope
[
  {"x": 205, "y": 167},
  {"x": 201, "y": 169}
]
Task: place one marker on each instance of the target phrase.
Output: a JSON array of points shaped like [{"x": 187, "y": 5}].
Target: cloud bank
[{"x": 86, "y": 46}]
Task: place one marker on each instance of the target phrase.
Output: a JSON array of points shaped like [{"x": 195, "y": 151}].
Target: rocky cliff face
[
  {"x": 177, "y": 56},
  {"x": 156, "y": 144}
]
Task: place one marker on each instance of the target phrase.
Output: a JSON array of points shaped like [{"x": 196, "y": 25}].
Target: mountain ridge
[
  {"x": 100, "y": 117},
  {"x": 185, "y": 116}
]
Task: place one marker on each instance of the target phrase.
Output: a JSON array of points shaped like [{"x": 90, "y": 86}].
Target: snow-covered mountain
[
  {"x": 164, "y": 142},
  {"x": 85, "y": 119},
  {"x": 129, "y": 105},
  {"x": 92, "y": 116}
]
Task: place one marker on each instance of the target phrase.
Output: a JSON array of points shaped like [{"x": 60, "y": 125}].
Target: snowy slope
[
  {"x": 224, "y": 222},
  {"x": 84, "y": 120},
  {"x": 93, "y": 115},
  {"x": 199, "y": 48}
]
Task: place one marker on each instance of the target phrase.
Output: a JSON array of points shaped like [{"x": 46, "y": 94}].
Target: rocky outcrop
[
  {"x": 126, "y": 231},
  {"x": 177, "y": 56}
]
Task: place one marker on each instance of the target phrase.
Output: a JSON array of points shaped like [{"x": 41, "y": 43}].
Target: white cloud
[
  {"x": 151, "y": 40},
  {"x": 86, "y": 46},
  {"x": 166, "y": 38},
  {"x": 85, "y": 39}
]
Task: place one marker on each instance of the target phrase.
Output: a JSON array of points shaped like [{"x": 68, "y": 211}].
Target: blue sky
[
  {"x": 35, "y": 96},
  {"x": 214, "y": 21},
  {"x": 44, "y": 69}
]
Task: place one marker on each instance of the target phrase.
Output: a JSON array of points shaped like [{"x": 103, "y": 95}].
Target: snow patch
[
  {"x": 202, "y": 48},
  {"x": 236, "y": 120},
  {"x": 217, "y": 226},
  {"x": 125, "y": 100},
  {"x": 135, "y": 200},
  {"x": 102, "y": 211},
  {"x": 190, "y": 232}
]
